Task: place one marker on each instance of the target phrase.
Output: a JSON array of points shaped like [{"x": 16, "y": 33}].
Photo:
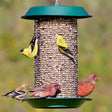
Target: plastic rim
[{"x": 56, "y": 102}]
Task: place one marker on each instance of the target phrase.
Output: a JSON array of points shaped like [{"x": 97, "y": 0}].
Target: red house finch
[
  {"x": 86, "y": 86},
  {"x": 47, "y": 90},
  {"x": 18, "y": 93}
]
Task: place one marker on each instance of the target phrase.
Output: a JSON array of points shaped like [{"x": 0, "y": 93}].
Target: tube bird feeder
[{"x": 51, "y": 65}]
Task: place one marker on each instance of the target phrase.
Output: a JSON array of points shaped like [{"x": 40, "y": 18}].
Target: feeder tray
[
  {"x": 56, "y": 102},
  {"x": 65, "y": 11}
]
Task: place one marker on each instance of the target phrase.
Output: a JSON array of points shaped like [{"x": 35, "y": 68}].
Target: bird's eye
[
  {"x": 56, "y": 85},
  {"x": 94, "y": 76},
  {"x": 21, "y": 50}
]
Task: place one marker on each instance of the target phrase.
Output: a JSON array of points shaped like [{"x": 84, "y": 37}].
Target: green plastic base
[{"x": 56, "y": 102}]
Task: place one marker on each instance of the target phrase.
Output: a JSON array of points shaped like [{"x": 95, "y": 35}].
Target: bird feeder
[{"x": 51, "y": 65}]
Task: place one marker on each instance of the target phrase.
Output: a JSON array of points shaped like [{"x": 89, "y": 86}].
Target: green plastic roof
[{"x": 60, "y": 11}]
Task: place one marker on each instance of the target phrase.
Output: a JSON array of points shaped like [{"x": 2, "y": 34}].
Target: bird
[
  {"x": 86, "y": 86},
  {"x": 18, "y": 93},
  {"x": 32, "y": 49},
  {"x": 63, "y": 47},
  {"x": 46, "y": 90}
]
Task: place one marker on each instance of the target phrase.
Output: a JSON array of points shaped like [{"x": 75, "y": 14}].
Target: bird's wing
[
  {"x": 20, "y": 92},
  {"x": 32, "y": 48},
  {"x": 35, "y": 48},
  {"x": 45, "y": 87},
  {"x": 33, "y": 40},
  {"x": 39, "y": 89},
  {"x": 36, "y": 89},
  {"x": 32, "y": 43},
  {"x": 11, "y": 94},
  {"x": 65, "y": 49},
  {"x": 84, "y": 82},
  {"x": 81, "y": 82},
  {"x": 67, "y": 52}
]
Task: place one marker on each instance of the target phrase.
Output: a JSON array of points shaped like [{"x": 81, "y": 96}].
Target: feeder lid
[
  {"x": 65, "y": 102},
  {"x": 58, "y": 11}
]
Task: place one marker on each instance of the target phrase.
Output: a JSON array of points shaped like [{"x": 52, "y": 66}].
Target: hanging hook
[{"x": 56, "y": 3}]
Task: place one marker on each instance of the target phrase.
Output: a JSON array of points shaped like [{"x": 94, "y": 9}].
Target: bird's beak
[
  {"x": 97, "y": 78},
  {"x": 20, "y": 52}
]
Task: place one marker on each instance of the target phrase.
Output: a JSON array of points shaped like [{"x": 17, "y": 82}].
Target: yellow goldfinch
[
  {"x": 18, "y": 93},
  {"x": 63, "y": 47},
  {"x": 32, "y": 49}
]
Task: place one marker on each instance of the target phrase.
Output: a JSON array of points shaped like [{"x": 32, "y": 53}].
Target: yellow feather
[
  {"x": 27, "y": 51},
  {"x": 63, "y": 47},
  {"x": 35, "y": 50},
  {"x": 61, "y": 41}
]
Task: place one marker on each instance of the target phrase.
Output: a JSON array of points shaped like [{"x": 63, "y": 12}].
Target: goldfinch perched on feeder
[
  {"x": 86, "y": 86},
  {"x": 18, "y": 93},
  {"x": 32, "y": 49},
  {"x": 47, "y": 90},
  {"x": 63, "y": 47}
]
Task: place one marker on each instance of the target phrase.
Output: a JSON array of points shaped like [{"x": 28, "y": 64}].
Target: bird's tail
[
  {"x": 73, "y": 60},
  {"x": 71, "y": 57},
  {"x": 3, "y": 95}
]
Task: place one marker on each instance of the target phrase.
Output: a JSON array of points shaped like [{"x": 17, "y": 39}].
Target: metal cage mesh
[{"x": 51, "y": 65}]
